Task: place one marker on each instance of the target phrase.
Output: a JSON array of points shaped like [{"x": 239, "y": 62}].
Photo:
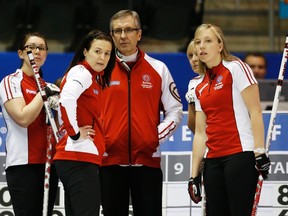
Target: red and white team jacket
[
  {"x": 131, "y": 112},
  {"x": 228, "y": 123},
  {"x": 23, "y": 145},
  {"x": 80, "y": 101}
]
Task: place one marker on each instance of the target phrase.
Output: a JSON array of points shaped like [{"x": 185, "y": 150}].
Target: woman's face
[
  {"x": 193, "y": 59},
  {"x": 208, "y": 48},
  {"x": 39, "y": 50},
  {"x": 98, "y": 55}
]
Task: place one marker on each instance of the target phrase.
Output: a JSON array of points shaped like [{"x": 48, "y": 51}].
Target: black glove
[
  {"x": 194, "y": 189},
  {"x": 51, "y": 90},
  {"x": 52, "y": 94},
  {"x": 263, "y": 165}
]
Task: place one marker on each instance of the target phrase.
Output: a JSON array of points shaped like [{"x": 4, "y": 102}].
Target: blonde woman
[
  {"x": 190, "y": 95},
  {"x": 229, "y": 124}
]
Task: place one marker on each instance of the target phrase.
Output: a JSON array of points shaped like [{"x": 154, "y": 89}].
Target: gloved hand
[
  {"x": 190, "y": 96},
  {"x": 51, "y": 89},
  {"x": 52, "y": 93},
  {"x": 53, "y": 101},
  {"x": 194, "y": 189},
  {"x": 263, "y": 165}
]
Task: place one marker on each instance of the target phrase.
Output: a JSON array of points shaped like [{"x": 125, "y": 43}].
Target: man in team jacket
[{"x": 140, "y": 88}]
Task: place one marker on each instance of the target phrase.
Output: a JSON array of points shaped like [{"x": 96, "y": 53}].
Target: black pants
[
  {"x": 81, "y": 185},
  {"x": 26, "y": 188},
  {"x": 143, "y": 183},
  {"x": 230, "y": 184}
]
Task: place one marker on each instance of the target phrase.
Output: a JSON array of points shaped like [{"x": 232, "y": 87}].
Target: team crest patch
[
  {"x": 219, "y": 83},
  {"x": 146, "y": 82},
  {"x": 173, "y": 90}
]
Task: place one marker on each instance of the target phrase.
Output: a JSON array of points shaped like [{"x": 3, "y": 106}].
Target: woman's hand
[{"x": 87, "y": 132}]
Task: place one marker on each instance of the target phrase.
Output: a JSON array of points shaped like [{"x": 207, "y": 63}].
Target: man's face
[
  {"x": 257, "y": 65},
  {"x": 126, "y": 35}
]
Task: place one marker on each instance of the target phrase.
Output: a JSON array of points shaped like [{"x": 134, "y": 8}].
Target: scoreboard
[{"x": 176, "y": 166}]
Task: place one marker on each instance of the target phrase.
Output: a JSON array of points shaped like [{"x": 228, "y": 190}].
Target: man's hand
[
  {"x": 194, "y": 189},
  {"x": 263, "y": 165}
]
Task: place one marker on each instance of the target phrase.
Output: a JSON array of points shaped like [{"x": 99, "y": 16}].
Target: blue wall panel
[{"x": 178, "y": 64}]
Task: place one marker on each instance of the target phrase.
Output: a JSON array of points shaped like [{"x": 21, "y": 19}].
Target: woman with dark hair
[
  {"x": 79, "y": 153},
  {"x": 26, "y": 142}
]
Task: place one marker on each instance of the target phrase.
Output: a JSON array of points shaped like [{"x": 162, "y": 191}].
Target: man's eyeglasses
[
  {"x": 33, "y": 47},
  {"x": 118, "y": 31}
]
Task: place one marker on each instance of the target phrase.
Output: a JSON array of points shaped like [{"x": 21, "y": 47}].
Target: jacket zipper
[
  {"x": 129, "y": 116},
  {"x": 128, "y": 69},
  {"x": 211, "y": 78}
]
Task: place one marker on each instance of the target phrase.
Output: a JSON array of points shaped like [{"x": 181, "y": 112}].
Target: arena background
[{"x": 249, "y": 25}]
